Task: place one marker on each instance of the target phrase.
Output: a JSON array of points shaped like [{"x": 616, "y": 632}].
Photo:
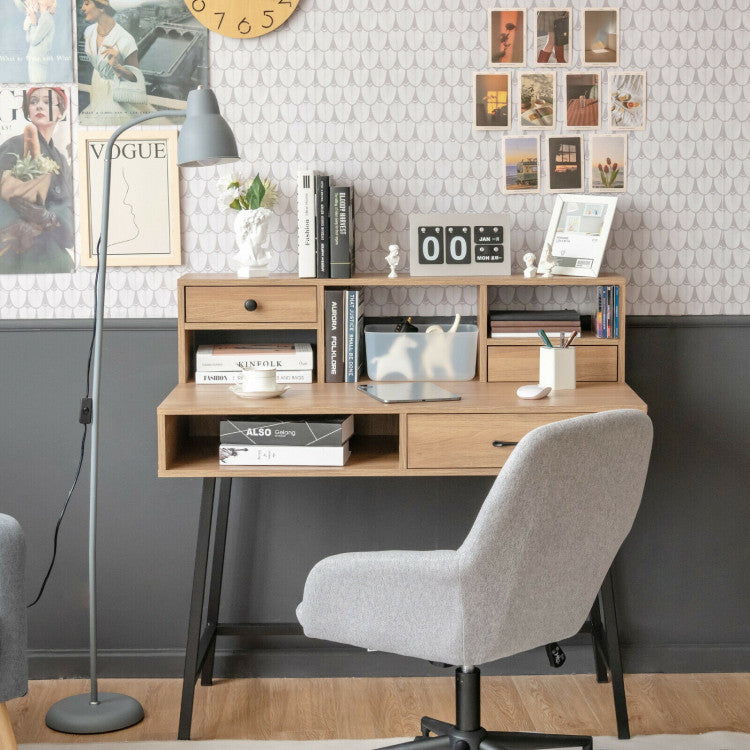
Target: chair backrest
[{"x": 548, "y": 531}]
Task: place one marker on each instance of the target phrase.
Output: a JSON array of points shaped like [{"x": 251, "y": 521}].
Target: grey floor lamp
[{"x": 205, "y": 139}]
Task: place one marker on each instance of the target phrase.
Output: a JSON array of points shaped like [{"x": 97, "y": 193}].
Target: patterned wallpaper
[{"x": 378, "y": 93}]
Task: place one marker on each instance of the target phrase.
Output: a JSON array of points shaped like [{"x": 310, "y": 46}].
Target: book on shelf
[
  {"x": 233, "y": 377},
  {"x": 322, "y": 226},
  {"x": 334, "y": 335},
  {"x": 534, "y": 315},
  {"x": 283, "y": 455},
  {"x": 607, "y": 321},
  {"x": 342, "y": 234},
  {"x": 306, "y": 223},
  {"x": 226, "y": 357},
  {"x": 287, "y": 430},
  {"x": 528, "y": 334},
  {"x": 354, "y": 335}
]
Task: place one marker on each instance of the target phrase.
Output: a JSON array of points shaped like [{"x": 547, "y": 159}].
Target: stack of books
[
  {"x": 319, "y": 440},
  {"x": 526, "y": 323},
  {"x": 344, "y": 335},
  {"x": 223, "y": 363},
  {"x": 325, "y": 227},
  {"x": 607, "y": 324}
]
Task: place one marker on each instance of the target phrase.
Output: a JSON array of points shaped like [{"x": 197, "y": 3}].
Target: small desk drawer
[
  {"x": 507, "y": 364},
  {"x": 463, "y": 441},
  {"x": 250, "y": 304}
]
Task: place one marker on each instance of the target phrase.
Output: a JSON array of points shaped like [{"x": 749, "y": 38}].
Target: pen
[
  {"x": 562, "y": 340},
  {"x": 547, "y": 342},
  {"x": 570, "y": 340}
]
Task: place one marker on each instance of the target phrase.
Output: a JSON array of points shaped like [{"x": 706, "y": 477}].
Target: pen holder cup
[{"x": 557, "y": 367}]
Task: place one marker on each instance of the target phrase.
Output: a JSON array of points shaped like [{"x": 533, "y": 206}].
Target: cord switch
[{"x": 87, "y": 409}]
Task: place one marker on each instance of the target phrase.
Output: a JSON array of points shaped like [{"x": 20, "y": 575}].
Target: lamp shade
[{"x": 205, "y": 137}]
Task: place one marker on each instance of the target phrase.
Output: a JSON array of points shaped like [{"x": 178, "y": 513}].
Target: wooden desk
[{"x": 475, "y": 436}]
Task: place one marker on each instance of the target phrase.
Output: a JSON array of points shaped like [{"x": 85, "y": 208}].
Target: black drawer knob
[
  {"x": 502, "y": 443},
  {"x": 250, "y": 305}
]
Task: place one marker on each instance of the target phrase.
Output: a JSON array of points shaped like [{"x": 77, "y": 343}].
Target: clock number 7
[
  {"x": 198, "y": 5},
  {"x": 221, "y": 20},
  {"x": 240, "y": 26}
]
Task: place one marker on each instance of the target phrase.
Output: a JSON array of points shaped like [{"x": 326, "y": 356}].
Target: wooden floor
[{"x": 367, "y": 707}]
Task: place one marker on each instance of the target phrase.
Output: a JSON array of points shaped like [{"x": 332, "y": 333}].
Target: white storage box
[{"x": 438, "y": 355}]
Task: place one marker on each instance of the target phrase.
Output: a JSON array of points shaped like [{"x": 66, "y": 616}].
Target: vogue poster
[
  {"x": 36, "y": 41},
  {"x": 136, "y": 57},
  {"x": 36, "y": 183}
]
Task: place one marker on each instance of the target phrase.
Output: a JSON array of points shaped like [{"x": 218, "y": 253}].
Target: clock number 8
[
  {"x": 244, "y": 23},
  {"x": 198, "y": 5}
]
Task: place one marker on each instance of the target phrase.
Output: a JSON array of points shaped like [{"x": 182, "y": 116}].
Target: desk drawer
[
  {"x": 273, "y": 304},
  {"x": 508, "y": 364},
  {"x": 458, "y": 441}
]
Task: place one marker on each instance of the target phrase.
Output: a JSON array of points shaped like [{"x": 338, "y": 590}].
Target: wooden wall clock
[{"x": 242, "y": 18}]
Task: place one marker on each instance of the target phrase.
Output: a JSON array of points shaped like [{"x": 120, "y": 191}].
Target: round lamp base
[{"x": 78, "y": 715}]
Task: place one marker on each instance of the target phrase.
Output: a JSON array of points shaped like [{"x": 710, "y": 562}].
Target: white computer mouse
[{"x": 533, "y": 391}]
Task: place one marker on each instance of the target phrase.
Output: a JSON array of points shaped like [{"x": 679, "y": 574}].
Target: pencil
[{"x": 570, "y": 340}]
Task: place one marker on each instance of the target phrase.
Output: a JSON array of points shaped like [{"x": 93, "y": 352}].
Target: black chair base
[{"x": 467, "y": 734}]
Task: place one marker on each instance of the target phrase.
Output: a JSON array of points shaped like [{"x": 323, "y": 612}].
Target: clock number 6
[
  {"x": 241, "y": 26},
  {"x": 269, "y": 15},
  {"x": 198, "y": 5}
]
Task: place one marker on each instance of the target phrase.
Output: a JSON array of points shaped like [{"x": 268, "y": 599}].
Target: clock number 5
[
  {"x": 198, "y": 5},
  {"x": 244, "y": 26},
  {"x": 269, "y": 15}
]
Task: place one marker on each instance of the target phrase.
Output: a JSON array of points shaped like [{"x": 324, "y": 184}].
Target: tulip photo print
[{"x": 609, "y": 162}]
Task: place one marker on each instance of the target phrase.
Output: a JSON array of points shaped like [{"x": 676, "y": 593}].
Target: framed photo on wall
[
  {"x": 521, "y": 162},
  {"x": 552, "y": 35},
  {"x": 538, "y": 100},
  {"x": 582, "y": 95},
  {"x": 627, "y": 100},
  {"x": 144, "y": 218},
  {"x": 565, "y": 164},
  {"x": 507, "y": 36},
  {"x": 601, "y": 36},
  {"x": 492, "y": 101},
  {"x": 609, "y": 163}
]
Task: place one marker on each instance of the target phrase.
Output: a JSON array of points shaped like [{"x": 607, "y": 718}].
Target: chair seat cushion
[{"x": 403, "y": 602}]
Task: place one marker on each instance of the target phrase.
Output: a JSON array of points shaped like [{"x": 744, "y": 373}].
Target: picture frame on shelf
[
  {"x": 507, "y": 43},
  {"x": 145, "y": 189},
  {"x": 521, "y": 164},
  {"x": 565, "y": 164},
  {"x": 627, "y": 99},
  {"x": 608, "y": 162},
  {"x": 583, "y": 100},
  {"x": 578, "y": 233},
  {"x": 600, "y": 31},
  {"x": 537, "y": 100},
  {"x": 492, "y": 101},
  {"x": 552, "y": 36}
]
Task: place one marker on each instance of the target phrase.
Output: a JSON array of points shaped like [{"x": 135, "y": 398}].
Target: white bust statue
[
  {"x": 392, "y": 260},
  {"x": 530, "y": 271},
  {"x": 546, "y": 264}
]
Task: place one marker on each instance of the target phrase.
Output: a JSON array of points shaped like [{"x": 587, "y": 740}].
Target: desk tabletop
[{"x": 344, "y": 398}]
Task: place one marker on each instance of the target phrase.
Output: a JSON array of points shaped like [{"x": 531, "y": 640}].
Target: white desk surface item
[
  {"x": 392, "y": 393},
  {"x": 533, "y": 391}
]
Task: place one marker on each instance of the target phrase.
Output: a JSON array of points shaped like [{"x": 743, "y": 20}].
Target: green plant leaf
[{"x": 255, "y": 193}]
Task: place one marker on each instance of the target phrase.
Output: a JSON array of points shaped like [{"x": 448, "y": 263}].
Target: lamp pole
[{"x": 107, "y": 712}]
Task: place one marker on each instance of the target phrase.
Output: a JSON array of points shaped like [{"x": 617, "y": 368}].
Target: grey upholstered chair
[
  {"x": 13, "y": 670},
  {"x": 525, "y": 576}
]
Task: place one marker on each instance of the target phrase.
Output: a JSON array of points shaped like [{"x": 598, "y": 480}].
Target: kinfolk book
[{"x": 227, "y": 357}]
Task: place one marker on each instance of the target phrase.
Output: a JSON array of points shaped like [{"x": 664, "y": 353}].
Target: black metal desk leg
[
  {"x": 597, "y": 642},
  {"x": 215, "y": 578},
  {"x": 607, "y": 595},
  {"x": 196, "y": 609}
]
